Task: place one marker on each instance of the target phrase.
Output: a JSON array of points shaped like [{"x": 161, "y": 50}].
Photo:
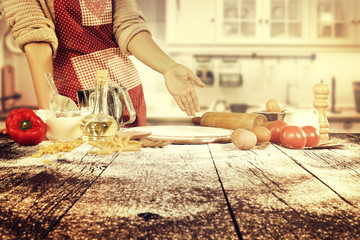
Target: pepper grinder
[{"x": 321, "y": 92}]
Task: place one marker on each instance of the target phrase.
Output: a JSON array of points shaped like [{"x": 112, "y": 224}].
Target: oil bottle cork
[
  {"x": 321, "y": 92},
  {"x": 101, "y": 76}
]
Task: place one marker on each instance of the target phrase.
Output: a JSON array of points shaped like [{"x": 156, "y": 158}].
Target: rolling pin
[{"x": 230, "y": 120}]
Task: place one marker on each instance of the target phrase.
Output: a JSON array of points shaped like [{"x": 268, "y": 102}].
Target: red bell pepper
[{"x": 25, "y": 127}]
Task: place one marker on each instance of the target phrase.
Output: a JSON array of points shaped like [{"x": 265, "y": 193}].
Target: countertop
[
  {"x": 174, "y": 114},
  {"x": 203, "y": 191},
  {"x": 346, "y": 120},
  {"x": 339, "y": 121},
  {"x": 342, "y": 114}
]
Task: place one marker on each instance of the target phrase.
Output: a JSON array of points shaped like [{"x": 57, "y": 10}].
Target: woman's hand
[
  {"x": 179, "y": 81},
  {"x": 3, "y": 131}
]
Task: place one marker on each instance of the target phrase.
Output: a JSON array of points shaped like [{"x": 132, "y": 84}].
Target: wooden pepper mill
[{"x": 321, "y": 92}]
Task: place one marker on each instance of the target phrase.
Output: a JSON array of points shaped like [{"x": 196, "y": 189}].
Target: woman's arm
[
  {"x": 143, "y": 47},
  {"x": 33, "y": 30},
  {"x": 133, "y": 36},
  {"x": 29, "y": 21},
  {"x": 39, "y": 57},
  {"x": 179, "y": 79}
]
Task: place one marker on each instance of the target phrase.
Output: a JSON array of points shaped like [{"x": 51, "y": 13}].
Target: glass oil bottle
[{"x": 99, "y": 125}]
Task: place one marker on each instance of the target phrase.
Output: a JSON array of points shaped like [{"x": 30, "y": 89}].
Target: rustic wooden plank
[
  {"x": 10, "y": 151},
  {"x": 272, "y": 197},
  {"x": 338, "y": 169},
  {"x": 168, "y": 193},
  {"x": 35, "y": 196},
  {"x": 350, "y": 137}
]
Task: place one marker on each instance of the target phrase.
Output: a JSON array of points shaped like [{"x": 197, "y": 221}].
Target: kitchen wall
[
  {"x": 262, "y": 79},
  {"x": 154, "y": 88},
  {"x": 288, "y": 80},
  {"x": 11, "y": 55}
]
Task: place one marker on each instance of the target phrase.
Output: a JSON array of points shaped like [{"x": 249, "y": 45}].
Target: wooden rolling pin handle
[{"x": 196, "y": 120}]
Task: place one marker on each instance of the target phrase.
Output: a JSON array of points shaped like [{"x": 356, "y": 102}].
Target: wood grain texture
[
  {"x": 34, "y": 198},
  {"x": 172, "y": 193},
  {"x": 181, "y": 192},
  {"x": 278, "y": 193},
  {"x": 169, "y": 193}
]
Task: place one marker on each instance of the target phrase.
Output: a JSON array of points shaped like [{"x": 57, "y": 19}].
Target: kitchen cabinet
[
  {"x": 239, "y": 21},
  {"x": 334, "y": 22},
  {"x": 236, "y": 21},
  {"x": 190, "y": 21},
  {"x": 263, "y": 22},
  {"x": 344, "y": 127},
  {"x": 347, "y": 121}
]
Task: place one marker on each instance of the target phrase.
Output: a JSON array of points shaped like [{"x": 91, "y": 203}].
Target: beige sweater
[{"x": 34, "y": 21}]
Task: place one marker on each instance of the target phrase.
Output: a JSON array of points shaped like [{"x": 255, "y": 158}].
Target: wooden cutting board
[{"x": 186, "y": 134}]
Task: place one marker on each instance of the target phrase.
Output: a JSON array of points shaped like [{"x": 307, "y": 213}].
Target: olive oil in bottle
[{"x": 99, "y": 125}]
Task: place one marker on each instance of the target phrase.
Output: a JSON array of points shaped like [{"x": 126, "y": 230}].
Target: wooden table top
[{"x": 208, "y": 191}]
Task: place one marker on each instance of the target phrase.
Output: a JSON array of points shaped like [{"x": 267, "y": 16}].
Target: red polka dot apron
[{"x": 86, "y": 44}]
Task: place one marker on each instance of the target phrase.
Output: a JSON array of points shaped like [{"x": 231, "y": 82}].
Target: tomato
[
  {"x": 275, "y": 128},
  {"x": 312, "y": 136},
  {"x": 293, "y": 137}
]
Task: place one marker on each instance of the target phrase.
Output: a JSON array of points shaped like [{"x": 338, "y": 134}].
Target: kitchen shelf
[{"x": 254, "y": 55}]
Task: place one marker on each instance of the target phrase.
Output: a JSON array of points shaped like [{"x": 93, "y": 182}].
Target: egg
[
  {"x": 262, "y": 133},
  {"x": 243, "y": 139},
  {"x": 272, "y": 105}
]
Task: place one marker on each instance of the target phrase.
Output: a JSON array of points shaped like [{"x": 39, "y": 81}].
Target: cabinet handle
[
  {"x": 354, "y": 22},
  {"x": 260, "y": 21}
]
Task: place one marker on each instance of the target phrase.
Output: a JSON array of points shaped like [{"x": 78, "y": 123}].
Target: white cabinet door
[
  {"x": 262, "y": 21},
  {"x": 239, "y": 21},
  {"x": 265, "y": 22},
  {"x": 332, "y": 22},
  {"x": 286, "y": 21},
  {"x": 190, "y": 21}
]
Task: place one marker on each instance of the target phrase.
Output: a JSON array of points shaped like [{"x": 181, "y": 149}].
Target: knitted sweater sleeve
[
  {"x": 29, "y": 21},
  {"x": 128, "y": 20}
]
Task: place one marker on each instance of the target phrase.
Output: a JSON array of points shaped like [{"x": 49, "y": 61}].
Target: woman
[{"x": 74, "y": 38}]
